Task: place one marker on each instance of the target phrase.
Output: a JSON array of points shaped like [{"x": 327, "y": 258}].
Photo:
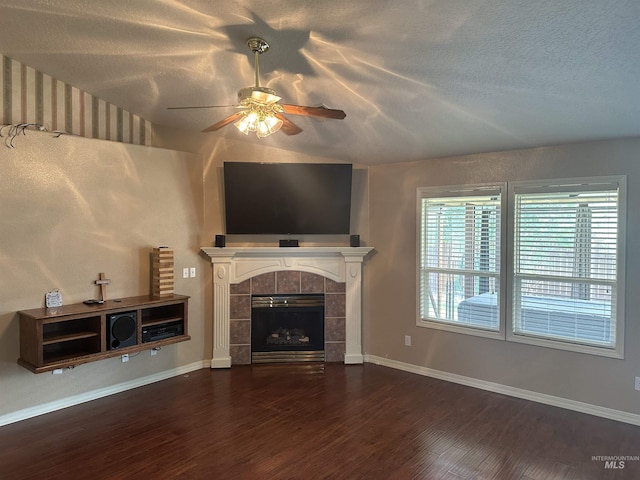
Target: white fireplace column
[
  {"x": 353, "y": 273},
  {"x": 233, "y": 265},
  {"x": 221, "y": 310}
]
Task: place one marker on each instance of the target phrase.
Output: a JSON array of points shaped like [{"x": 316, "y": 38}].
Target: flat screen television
[{"x": 287, "y": 198}]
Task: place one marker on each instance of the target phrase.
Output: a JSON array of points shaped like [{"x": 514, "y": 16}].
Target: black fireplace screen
[{"x": 287, "y": 323}]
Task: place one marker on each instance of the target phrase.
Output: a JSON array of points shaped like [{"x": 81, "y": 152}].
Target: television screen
[{"x": 287, "y": 198}]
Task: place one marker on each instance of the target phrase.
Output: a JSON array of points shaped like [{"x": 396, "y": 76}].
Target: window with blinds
[
  {"x": 460, "y": 250},
  {"x": 531, "y": 262},
  {"x": 566, "y": 263}
]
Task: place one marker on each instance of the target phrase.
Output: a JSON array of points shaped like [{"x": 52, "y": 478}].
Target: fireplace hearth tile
[
  {"x": 264, "y": 284},
  {"x": 240, "y": 306},
  {"x": 243, "y": 287},
  {"x": 335, "y": 287},
  {"x": 335, "y": 305},
  {"x": 335, "y": 329},
  {"x": 240, "y": 354},
  {"x": 334, "y": 352},
  {"x": 288, "y": 282},
  {"x": 311, "y": 283},
  {"x": 240, "y": 332}
]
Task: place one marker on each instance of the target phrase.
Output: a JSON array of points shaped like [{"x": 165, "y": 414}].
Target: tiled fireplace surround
[
  {"x": 287, "y": 282},
  {"x": 241, "y": 272}
]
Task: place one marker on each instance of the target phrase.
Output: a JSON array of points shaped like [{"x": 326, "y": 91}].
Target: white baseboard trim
[
  {"x": 574, "y": 405},
  {"x": 99, "y": 393}
]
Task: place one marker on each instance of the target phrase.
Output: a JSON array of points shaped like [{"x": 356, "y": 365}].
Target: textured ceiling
[{"x": 417, "y": 79}]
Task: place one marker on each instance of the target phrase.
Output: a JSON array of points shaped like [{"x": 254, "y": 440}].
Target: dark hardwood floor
[{"x": 314, "y": 422}]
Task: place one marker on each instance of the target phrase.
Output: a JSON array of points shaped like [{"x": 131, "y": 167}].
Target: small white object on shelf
[{"x": 53, "y": 298}]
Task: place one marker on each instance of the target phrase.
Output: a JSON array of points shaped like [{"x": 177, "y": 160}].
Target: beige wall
[
  {"x": 391, "y": 274},
  {"x": 72, "y": 207}
]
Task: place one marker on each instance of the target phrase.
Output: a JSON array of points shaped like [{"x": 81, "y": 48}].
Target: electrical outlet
[
  {"x": 57, "y": 371},
  {"x": 125, "y": 358},
  {"x": 192, "y": 272},
  {"x": 637, "y": 386},
  {"x": 407, "y": 340},
  {"x": 185, "y": 272},
  {"x": 154, "y": 352}
]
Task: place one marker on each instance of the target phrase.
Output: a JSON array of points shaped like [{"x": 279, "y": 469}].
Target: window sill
[
  {"x": 568, "y": 346},
  {"x": 465, "y": 330}
]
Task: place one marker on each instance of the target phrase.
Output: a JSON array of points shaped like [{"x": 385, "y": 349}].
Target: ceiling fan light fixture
[
  {"x": 262, "y": 124},
  {"x": 268, "y": 125},
  {"x": 242, "y": 125},
  {"x": 247, "y": 123}
]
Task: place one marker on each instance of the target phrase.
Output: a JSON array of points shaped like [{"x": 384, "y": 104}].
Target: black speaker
[
  {"x": 121, "y": 330},
  {"x": 288, "y": 243},
  {"x": 220, "y": 241},
  {"x": 354, "y": 240}
]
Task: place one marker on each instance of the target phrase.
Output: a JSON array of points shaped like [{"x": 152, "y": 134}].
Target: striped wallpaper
[{"x": 29, "y": 96}]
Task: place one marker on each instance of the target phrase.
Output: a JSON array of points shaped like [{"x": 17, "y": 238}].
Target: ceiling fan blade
[
  {"x": 225, "y": 121},
  {"x": 204, "y": 106},
  {"x": 288, "y": 127},
  {"x": 323, "y": 112}
]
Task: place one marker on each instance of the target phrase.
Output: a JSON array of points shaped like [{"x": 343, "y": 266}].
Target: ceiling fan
[{"x": 260, "y": 111}]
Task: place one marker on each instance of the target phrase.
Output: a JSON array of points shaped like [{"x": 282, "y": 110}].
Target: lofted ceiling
[{"x": 417, "y": 79}]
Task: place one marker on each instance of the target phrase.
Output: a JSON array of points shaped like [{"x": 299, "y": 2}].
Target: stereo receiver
[{"x": 161, "y": 331}]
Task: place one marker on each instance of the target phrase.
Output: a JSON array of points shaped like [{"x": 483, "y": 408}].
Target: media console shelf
[{"x": 70, "y": 335}]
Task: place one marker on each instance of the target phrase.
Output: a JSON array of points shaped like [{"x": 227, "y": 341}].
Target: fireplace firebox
[{"x": 287, "y": 328}]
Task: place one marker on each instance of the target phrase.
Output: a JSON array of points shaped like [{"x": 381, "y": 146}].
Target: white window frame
[
  {"x": 565, "y": 185},
  {"x": 463, "y": 191}
]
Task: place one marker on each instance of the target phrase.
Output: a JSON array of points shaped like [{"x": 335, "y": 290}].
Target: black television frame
[{"x": 287, "y": 198}]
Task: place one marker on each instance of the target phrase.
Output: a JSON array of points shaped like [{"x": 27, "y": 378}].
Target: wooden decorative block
[{"x": 162, "y": 271}]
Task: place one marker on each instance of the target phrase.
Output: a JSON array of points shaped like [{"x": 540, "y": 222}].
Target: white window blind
[
  {"x": 566, "y": 259},
  {"x": 460, "y": 257}
]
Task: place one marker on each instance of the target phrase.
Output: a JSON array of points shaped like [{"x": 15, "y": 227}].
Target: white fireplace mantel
[{"x": 233, "y": 265}]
